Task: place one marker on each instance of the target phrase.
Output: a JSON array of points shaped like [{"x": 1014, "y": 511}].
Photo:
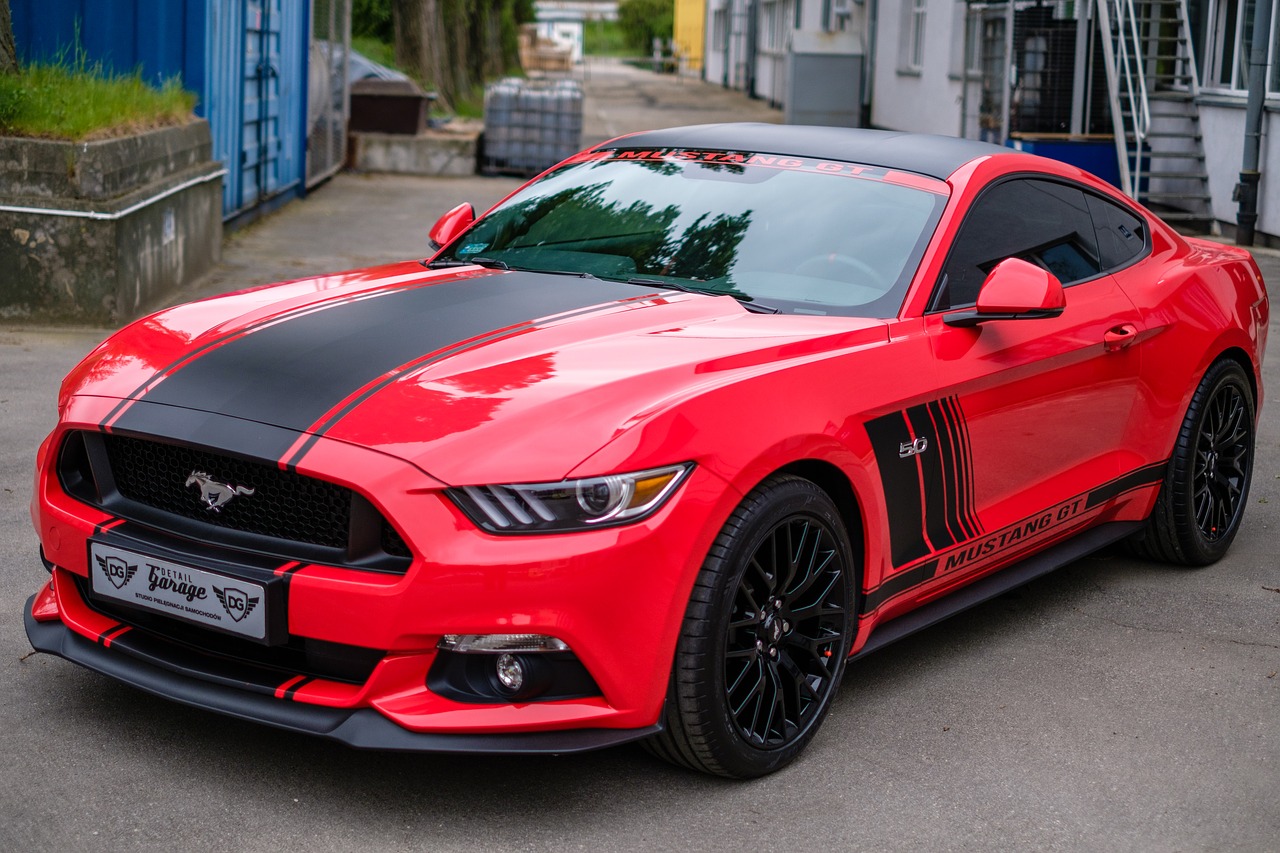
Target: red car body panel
[{"x": 1043, "y": 428}]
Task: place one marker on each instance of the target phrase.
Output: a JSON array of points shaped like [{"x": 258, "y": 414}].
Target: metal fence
[{"x": 328, "y": 90}]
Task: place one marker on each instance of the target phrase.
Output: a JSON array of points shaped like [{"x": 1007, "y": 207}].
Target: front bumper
[
  {"x": 362, "y": 728},
  {"x": 616, "y": 596}
]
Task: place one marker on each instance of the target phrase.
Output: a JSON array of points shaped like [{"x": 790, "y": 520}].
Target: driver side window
[{"x": 1043, "y": 222}]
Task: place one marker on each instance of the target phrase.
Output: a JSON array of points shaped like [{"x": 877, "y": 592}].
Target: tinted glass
[
  {"x": 1042, "y": 222},
  {"x": 1122, "y": 236},
  {"x": 782, "y": 237}
]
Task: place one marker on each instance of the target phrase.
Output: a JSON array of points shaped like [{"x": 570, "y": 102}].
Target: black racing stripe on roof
[
  {"x": 925, "y": 154},
  {"x": 292, "y": 373}
]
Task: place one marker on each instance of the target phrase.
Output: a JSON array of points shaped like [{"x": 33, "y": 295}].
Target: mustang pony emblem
[{"x": 216, "y": 495}]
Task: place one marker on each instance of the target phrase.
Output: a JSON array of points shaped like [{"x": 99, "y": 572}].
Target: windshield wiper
[
  {"x": 479, "y": 262},
  {"x": 494, "y": 264},
  {"x": 746, "y": 301}
]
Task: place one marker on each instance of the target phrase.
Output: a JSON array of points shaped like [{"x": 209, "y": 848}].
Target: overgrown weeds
[{"x": 77, "y": 100}]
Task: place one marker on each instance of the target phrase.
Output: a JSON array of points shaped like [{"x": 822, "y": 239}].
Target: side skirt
[{"x": 997, "y": 583}]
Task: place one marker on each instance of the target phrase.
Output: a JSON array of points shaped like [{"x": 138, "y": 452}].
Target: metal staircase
[{"x": 1152, "y": 83}]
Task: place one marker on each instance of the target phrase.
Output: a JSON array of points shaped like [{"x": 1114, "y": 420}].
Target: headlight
[{"x": 570, "y": 504}]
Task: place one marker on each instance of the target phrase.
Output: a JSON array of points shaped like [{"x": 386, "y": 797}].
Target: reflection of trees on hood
[{"x": 707, "y": 251}]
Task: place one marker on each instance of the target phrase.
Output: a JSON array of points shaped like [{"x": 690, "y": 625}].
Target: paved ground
[{"x": 1112, "y": 706}]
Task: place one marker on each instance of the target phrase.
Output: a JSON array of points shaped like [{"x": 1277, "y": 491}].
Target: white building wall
[
  {"x": 925, "y": 100},
  {"x": 713, "y": 49},
  {"x": 724, "y": 61},
  {"x": 728, "y": 27},
  {"x": 1223, "y": 130}
]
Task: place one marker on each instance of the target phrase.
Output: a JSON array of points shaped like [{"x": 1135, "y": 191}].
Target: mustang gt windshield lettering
[{"x": 649, "y": 450}]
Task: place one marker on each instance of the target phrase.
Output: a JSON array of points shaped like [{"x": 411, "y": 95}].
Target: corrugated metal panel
[
  {"x": 328, "y": 90},
  {"x": 258, "y": 87},
  {"x": 159, "y": 38},
  {"x": 225, "y": 94}
]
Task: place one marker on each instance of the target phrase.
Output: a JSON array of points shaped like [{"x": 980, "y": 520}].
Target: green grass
[
  {"x": 80, "y": 102},
  {"x": 605, "y": 38}
]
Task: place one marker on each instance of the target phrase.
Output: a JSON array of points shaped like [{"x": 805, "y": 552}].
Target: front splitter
[{"x": 362, "y": 728}]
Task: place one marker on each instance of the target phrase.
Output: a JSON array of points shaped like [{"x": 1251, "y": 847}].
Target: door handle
[{"x": 1119, "y": 337}]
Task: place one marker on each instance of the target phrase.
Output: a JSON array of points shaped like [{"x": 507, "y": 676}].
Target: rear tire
[
  {"x": 765, "y": 637},
  {"x": 1202, "y": 499}
]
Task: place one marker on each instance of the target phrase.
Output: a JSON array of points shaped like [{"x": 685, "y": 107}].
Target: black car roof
[{"x": 926, "y": 154}]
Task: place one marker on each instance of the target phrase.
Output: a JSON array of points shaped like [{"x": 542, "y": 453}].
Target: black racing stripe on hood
[{"x": 292, "y": 373}]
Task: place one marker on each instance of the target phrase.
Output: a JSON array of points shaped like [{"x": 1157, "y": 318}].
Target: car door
[{"x": 1030, "y": 414}]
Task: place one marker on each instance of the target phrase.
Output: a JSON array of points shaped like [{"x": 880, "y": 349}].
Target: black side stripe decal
[
  {"x": 1144, "y": 476},
  {"x": 963, "y": 458},
  {"x": 898, "y": 584},
  {"x": 1066, "y": 517},
  {"x": 899, "y": 478},
  {"x": 926, "y": 471}
]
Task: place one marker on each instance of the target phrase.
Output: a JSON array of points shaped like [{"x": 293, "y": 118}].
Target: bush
[{"x": 644, "y": 20}]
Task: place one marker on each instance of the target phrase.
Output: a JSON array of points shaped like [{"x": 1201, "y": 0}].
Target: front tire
[
  {"x": 765, "y": 637},
  {"x": 1202, "y": 499}
]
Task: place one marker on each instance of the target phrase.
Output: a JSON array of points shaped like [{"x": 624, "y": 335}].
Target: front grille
[
  {"x": 283, "y": 505},
  {"x": 286, "y": 513}
]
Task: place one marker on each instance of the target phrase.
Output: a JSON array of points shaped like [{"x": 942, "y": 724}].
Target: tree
[
  {"x": 419, "y": 48},
  {"x": 8, "y": 50},
  {"x": 642, "y": 21},
  {"x": 454, "y": 45}
]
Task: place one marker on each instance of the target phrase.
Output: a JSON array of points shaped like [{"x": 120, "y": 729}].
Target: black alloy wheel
[
  {"x": 1221, "y": 462},
  {"x": 783, "y": 641},
  {"x": 1202, "y": 499},
  {"x": 765, "y": 637}
]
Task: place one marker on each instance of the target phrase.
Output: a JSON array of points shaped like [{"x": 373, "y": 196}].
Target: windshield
[{"x": 784, "y": 234}]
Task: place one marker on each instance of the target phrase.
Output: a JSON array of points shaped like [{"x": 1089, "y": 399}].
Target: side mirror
[
  {"x": 452, "y": 224},
  {"x": 1014, "y": 290}
]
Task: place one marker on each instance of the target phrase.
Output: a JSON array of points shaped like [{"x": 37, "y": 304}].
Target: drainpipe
[
  {"x": 1247, "y": 190},
  {"x": 869, "y": 57}
]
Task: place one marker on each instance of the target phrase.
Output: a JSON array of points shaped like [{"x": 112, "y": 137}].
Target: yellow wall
[{"x": 690, "y": 32}]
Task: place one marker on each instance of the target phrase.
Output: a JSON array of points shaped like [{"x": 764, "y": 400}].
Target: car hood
[{"x": 472, "y": 375}]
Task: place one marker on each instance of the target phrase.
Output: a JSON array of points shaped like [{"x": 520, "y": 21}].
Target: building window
[
  {"x": 776, "y": 20},
  {"x": 911, "y": 57},
  {"x": 1228, "y": 33},
  {"x": 719, "y": 29}
]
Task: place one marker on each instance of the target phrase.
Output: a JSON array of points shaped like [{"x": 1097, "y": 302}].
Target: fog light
[{"x": 510, "y": 671}]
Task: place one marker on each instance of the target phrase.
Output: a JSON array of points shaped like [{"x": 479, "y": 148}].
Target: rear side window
[
  {"x": 1122, "y": 236},
  {"x": 1045, "y": 223}
]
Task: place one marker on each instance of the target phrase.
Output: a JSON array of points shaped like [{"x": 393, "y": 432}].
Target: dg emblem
[
  {"x": 117, "y": 570},
  {"x": 237, "y": 603}
]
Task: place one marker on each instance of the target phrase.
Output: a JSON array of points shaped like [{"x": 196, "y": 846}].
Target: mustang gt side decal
[
  {"x": 1009, "y": 542},
  {"x": 930, "y": 494}
]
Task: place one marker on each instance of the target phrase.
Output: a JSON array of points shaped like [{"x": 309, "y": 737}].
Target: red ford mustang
[{"x": 650, "y": 449}]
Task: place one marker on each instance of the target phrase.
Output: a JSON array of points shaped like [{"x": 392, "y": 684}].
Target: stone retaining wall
[
  {"x": 93, "y": 232},
  {"x": 437, "y": 153}
]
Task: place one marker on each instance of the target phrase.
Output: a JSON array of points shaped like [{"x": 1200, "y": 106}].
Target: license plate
[{"x": 184, "y": 592}]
